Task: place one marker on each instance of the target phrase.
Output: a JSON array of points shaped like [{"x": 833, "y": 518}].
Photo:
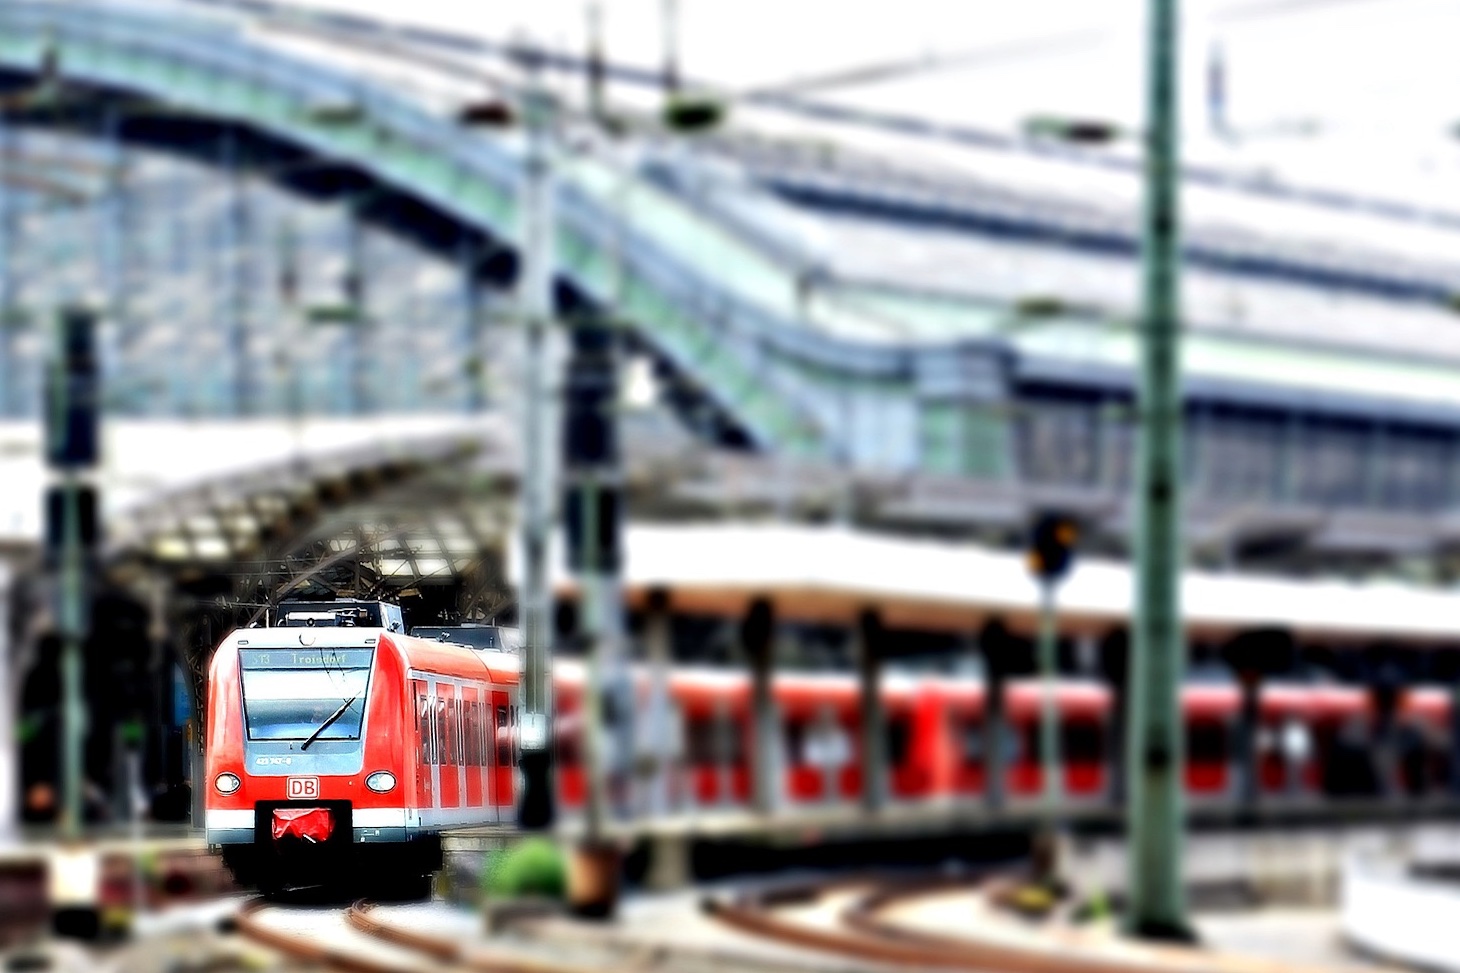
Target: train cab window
[{"x": 298, "y": 695}]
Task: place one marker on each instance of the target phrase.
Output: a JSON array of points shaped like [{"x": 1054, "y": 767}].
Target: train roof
[
  {"x": 831, "y": 573},
  {"x": 427, "y": 655}
]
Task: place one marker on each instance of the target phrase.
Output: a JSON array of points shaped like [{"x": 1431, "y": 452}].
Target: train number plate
[{"x": 303, "y": 788}]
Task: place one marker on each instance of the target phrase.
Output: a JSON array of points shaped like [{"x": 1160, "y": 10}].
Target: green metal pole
[
  {"x": 1157, "y": 906},
  {"x": 536, "y": 810},
  {"x": 1049, "y": 740}
]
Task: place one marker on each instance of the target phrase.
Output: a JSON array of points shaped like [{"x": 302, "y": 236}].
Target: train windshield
[{"x": 289, "y": 694}]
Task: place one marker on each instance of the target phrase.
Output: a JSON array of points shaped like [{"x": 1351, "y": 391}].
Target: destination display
[{"x": 305, "y": 658}]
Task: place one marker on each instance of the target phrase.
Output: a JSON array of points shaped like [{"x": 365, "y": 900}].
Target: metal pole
[
  {"x": 535, "y": 810},
  {"x": 9, "y": 745},
  {"x": 1157, "y": 906},
  {"x": 596, "y": 68},
  {"x": 671, "y": 47},
  {"x": 1049, "y": 739},
  {"x": 72, "y": 626}
]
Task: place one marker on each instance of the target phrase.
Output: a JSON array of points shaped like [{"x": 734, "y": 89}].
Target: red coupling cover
[{"x": 313, "y": 824}]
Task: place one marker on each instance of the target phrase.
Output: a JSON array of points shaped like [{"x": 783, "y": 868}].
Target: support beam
[
  {"x": 873, "y": 749},
  {"x": 993, "y": 643},
  {"x": 757, "y": 638},
  {"x": 659, "y": 797},
  {"x": 1249, "y": 720},
  {"x": 9, "y": 700},
  {"x": 1114, "y": 662},
  {"x": 535, "y": 298}
]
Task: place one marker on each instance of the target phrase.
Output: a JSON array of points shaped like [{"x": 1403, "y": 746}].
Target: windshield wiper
[{"x": 329, "y": 722}]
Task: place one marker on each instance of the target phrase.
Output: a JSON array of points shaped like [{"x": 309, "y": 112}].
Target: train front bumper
[{"x": 369, "y": 825}]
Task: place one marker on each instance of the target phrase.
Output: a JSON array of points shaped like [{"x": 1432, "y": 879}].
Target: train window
[
  {"x": 795, "y": 742},
  {"x": 701, "y": 742},
  {"x": 714, "y": 741},
  {"x": 1082, "y": 742},
  {"x": 504, "y": 738},
  {"x": 435, "y": 734},
  {"x": 1206, "y": 742},
  {"x": 459, "y": 737},
  {"x": 512, "y": 715},
  {"x": 473, "y": 743},
  {"x": 443, "y": 733},
  {"x": 970, "y": 737},
  {"x": 423, "y": 725},
  {"x": 899, "y": 735},
  {"x": 731, "y": 740}
]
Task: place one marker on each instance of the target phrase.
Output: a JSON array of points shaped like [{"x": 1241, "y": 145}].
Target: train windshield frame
[{"x": 288, "y": 693}]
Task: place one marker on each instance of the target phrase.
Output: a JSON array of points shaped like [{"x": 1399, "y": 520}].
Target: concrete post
[
  {"x": 535, "y": 299},
  {"x": 658, "y": 644},
  {"x": 1249, "y": 724},
  {"x": 874, "y": 724},
  {"x": 1049, "y": 719},
  {"x": 992, "y": 642},
  {"x": 9, "y": 698},
  {"x": 757, "y": 638},
  {"x": 1453, "y": 663}
]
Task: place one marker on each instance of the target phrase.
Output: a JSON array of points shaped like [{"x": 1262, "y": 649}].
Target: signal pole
[
  {"x": 1049, "y": 737},
  {"x": 1157, "y": 904},
  {"x": 1051, "y": 552},
  {"x": 535, "y": 299},
  {"x": 71, "y": 528}
]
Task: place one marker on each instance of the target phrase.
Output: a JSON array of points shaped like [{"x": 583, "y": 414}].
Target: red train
[
  {"x": 936, "y": 741},
  {"x": 343, "y": 752},
  {"x": 346, "y": 751}
]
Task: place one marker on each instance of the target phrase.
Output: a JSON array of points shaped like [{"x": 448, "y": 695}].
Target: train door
[
  {"x": 425, "y": 742},
  {"x": 448, "y": 717},
  {"x": 474, "y": 762},
  {"x": 568, "y": 756},
  {"x": 502, "y": 733}
]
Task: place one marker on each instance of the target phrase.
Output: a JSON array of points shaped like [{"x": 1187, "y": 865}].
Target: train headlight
[
  {"x": 227, "y": 783},
  {"x": 380, "y": 781}
]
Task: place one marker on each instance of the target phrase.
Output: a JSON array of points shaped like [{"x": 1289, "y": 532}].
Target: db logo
[{"x": 303, "y": 788}]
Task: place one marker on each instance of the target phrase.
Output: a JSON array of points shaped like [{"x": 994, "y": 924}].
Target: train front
[{"x": 305, "y": 739}]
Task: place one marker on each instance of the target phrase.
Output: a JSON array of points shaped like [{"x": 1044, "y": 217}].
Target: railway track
[
  {"x": 845, "y": 926},
  {"x": 358, "y": 939},
  {"x": 862, "y": 920}
]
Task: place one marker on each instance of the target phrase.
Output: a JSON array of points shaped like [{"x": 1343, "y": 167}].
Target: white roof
[{"x": 834, "y": 569}]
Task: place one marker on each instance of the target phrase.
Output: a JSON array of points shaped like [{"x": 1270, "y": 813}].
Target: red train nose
[{"x": 311, "y": 824}]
